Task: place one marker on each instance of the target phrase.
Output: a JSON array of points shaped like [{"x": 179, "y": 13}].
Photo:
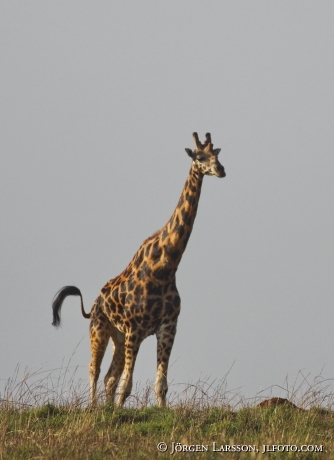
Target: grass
[{"x": 43, "y": 416}]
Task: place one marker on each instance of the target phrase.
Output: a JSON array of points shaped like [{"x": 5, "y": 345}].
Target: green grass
[
  {"x": 36, "y": 423},
  {"x": 52, "y": 432}
]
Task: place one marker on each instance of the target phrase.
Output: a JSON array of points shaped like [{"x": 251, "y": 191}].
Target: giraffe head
[{"x": 205, "y": 158}]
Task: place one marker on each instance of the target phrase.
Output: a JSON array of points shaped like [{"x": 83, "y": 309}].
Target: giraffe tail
[{"x": 59, "y": 299}]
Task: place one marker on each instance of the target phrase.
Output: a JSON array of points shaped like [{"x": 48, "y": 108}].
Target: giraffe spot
[
  {"x": 127, "y": 272},
  {"x": 133, "y": 322},
  {"x": 106, "y": 290},
  {"x": 161, "y": 273},
  {"x": 110, "y": 303},
  {"x": 176, "y": 301},
  {"x": 172, "y": 252},
  {"x": 144, "y": 271},
  {"x": 147, "y": 250},
  {"x": 150, "y": 303},
  {"x": 138, "y": 258},
  {"x": 134, "y": 308},
  {"x": 128, "y": 299},
  {"x": 156, "y": 251},
  {"x": 115, "y": 295},
  {"x": 156, "y": 312},
  {"x": 179, "y": 230},
  {"x": 131, "y": 284},
  {"x": 154, "y": 289},
  {"x": 143, "y": 333},
  {"x": 186, "y": 217},
  {"x": 120, "y": 310},
  {"x": 169, "y": 308},
  {"x": 139, "y": 291},
  {"x": 138, "y": 302},
  {"x": 122, "y": 296},
  {"x": 154, "y": 302},
  {"x": 164, "y": 234},
  {"x": 191, "y": 199}
]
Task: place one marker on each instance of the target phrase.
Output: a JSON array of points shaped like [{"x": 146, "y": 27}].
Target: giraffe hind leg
[
  {"x": 99, "y": 338},
  {"x": 117, "y": 364}
]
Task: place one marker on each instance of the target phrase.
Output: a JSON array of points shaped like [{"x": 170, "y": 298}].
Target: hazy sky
[{"x": 98, "y": 102}]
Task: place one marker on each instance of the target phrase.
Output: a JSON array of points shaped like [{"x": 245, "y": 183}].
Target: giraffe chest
[
  {"x": 145, "y": 308},
  {"x": 156, "y": 260}
]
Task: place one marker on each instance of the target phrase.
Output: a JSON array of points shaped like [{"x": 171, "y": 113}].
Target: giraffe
[{"x": 143, "y": 300}]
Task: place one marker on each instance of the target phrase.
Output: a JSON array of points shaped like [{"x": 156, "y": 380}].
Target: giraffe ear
[
  {"x": 216, "y": 152},
  {"x": 190, "y": 153}
]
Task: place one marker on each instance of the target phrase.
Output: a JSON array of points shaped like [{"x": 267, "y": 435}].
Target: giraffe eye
[{"x": 200, "y": 158}]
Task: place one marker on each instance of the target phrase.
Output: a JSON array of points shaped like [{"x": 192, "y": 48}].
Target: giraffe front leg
[
  {"x": 117, "y": 365},
  {"x": 131, "y": 347},
  {"x": 165, "y": 337}
]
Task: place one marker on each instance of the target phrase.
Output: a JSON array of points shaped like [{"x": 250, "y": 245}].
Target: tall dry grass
[{"x": 45, "y": 414}]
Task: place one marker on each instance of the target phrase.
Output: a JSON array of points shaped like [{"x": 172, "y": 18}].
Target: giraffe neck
[
  {"x": 158, "y": 257},
  {"x": 175, "y": 234}
]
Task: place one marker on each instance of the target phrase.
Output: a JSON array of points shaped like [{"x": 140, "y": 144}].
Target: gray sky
[{"x": 98, "y": 102}]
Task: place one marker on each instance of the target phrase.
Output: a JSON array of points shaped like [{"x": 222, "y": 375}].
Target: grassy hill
[{"x": 194, "y": 427}]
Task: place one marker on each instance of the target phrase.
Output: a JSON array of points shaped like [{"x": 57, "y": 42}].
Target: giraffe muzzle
[{"x": 221, "y": 171}]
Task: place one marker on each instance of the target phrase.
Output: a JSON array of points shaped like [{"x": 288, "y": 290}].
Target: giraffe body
[{"x": 143, "y": 300}]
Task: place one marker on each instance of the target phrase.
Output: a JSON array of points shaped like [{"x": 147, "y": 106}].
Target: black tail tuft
[{"x": 59, "y": 299}]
